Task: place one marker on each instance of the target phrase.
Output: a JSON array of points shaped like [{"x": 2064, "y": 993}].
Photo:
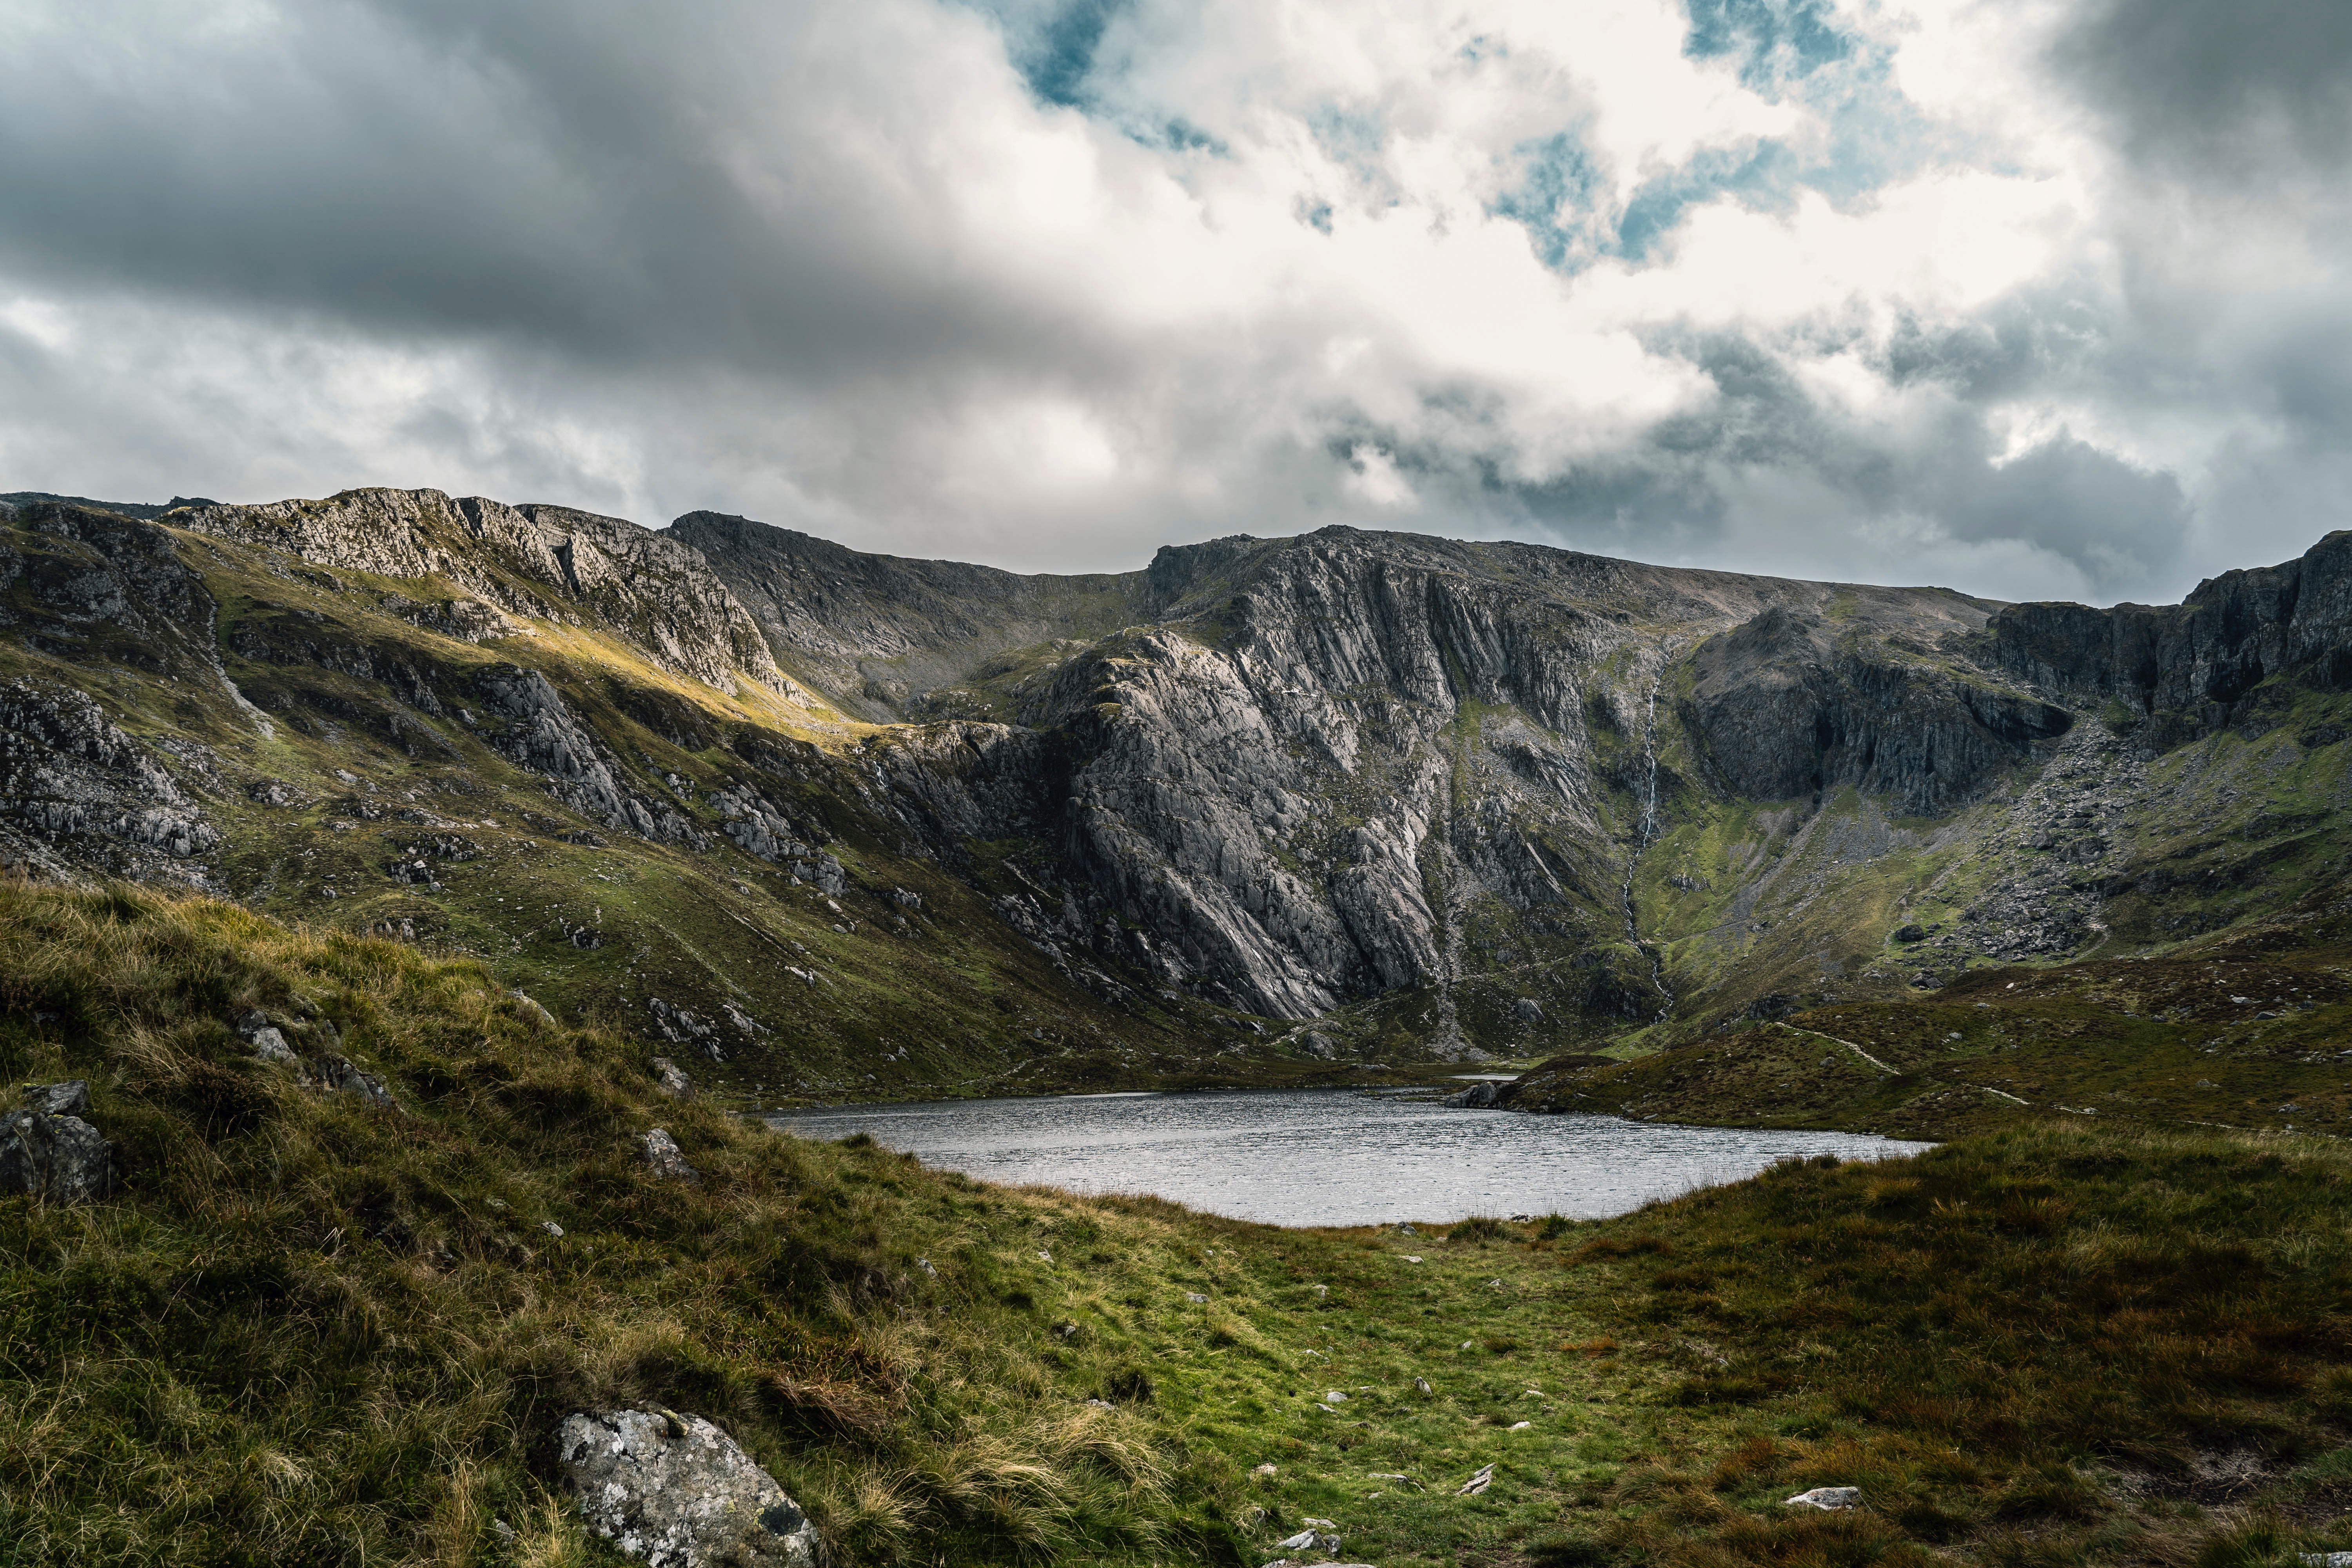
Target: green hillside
[{"x": 309, "y": 1331}]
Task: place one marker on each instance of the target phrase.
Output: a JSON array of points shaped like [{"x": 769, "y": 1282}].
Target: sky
[{"x": 2037, "y": 299}]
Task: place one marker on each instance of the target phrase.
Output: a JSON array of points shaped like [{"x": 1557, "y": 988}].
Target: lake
[{"x": 1326, "y": 1156}]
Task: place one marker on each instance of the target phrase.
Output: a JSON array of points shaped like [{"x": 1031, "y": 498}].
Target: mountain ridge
[{"x": 1437, "y": 799}]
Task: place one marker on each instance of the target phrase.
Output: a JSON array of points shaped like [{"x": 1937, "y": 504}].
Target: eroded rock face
[
  {"x": 1789, "y": 707},
  {"x": 675, "y": 1491},
  {"x": 544, "y": 735},
  {"x": 2191, "y": 666},
  {"x": 77, "y": 792},
  {"x": 656, "y": 589}
]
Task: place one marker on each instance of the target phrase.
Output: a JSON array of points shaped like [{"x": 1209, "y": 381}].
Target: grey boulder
[
  {"x": 47, "y": 1150},
  {"x": 1477, "y": 1097},
  {"x": 675, "y": 1491},
  {"x": 668, "y": 1159}
]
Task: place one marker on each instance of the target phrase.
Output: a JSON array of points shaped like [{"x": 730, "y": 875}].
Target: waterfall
[{"x": 1647, "y": 831}]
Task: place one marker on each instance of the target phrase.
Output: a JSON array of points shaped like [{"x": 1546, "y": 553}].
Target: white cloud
[{"x": 1280, "y": 264}]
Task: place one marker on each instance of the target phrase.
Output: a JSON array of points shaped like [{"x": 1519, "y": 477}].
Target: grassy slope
[{"x": 306, "y": 1333}]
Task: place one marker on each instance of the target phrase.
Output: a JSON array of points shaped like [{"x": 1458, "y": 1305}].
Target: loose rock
[
  {"x": 671, "y": 1080},
  {"x": 1477, "y": 1483},
  {"x": 1829, "y": 1500},
  {"x": 675, "y": 1491}
]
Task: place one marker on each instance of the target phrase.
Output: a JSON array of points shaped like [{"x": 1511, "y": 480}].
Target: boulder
[
  {"x": 48, "y": 1150},
  {"x": 1829, "y": 1500},
  {"x": 1477, "y": 1097},
  {"x": 663, "y": 1155},
  {"x": 671, "y": 1080},
  {"x": 675, "y": 1491}
]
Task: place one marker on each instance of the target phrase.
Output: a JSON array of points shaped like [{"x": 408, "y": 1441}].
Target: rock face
[
  {"x": 1330, "y": 755},
  {"x": 2190, "y": 667},
  {"x": 48, "y": 1150},
  {"x": 675, "y": 1491},
  {"x": 1788, "y": 707},
  {"x": 75, "y": 788}
]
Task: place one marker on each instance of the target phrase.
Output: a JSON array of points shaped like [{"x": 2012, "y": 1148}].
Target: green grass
[{"x": 306, "y": 1333}]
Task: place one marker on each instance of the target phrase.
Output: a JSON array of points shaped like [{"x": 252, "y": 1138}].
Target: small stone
[
  {"x": 1262, "y": 1470},
  {"x": 271, "y": 1046},
  {"x": 551, "y": 1228},
  {"x": 1333, "y": 1396},
  {"x": 1477, "y": 1483},
  {"x": 663, "y": 1155},
  {"x": 671, "y": 1080},
  {"x": 925, "y": 1265},
  {"x": 1194, "y": 1296},
  {"x": 1518, "y": 1426},
  {"x": 1421, "y": 1386},
  {"x": 339, "y": 1074},
  {"x": 1829, "y": 1500},
  {"x": 1469, "y": 1345}
]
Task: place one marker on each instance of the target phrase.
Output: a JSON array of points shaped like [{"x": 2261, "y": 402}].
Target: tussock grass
[{"x": 312, "y": 1332}]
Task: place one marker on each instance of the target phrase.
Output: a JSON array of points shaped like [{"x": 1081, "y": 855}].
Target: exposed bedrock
[
  {"x": 1787, "y": 707},
  {"x": 2197, "y": 660}
]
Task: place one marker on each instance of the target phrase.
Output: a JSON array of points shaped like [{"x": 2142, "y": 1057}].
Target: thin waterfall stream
[{"x": 1648, "y": 830}]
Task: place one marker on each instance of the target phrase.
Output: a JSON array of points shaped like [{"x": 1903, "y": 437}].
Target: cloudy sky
[{"x": 2037, "y": 297}]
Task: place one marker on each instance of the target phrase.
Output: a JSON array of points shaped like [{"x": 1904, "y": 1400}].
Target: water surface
[{"x": 1328, "y": 1156}]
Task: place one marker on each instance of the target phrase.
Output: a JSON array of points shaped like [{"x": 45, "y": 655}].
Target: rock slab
[{"x": 675, "y": 1491}]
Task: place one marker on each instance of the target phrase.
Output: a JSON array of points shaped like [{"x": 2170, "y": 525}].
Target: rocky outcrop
[
  {"x": 673, "y": 1491},
  {"x": 1786, "y": 705},
  {"x": 2191, "y": 667},
  {"x": 77, "y": 793},
  {"x": 532, "y": 562},
  {"x": 543, "y": 735},
  {"x": 48, "y": 1150}
]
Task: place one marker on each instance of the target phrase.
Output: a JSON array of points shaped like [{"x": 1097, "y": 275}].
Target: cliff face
[
  {"x": 1470, "y": 796},
  {"x": 1352, "y": 763},
  {"x": 2191, "y": 668}
]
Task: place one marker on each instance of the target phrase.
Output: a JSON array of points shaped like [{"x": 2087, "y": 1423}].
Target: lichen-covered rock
[
  {"x": 675, "y": 1491},
  {"x": 48, "y": 1150},
  {"x": 668, "y": 1159},
  {"x": 671, "y": 1080},
  {"x": 340, "y": 1074}
]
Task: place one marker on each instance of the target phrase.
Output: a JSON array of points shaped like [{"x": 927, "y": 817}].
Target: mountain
[{"x": 861, "y": 825}]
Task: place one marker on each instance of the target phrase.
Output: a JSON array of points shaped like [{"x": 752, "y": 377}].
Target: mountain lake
[{"x": 1327, "y": 1157}]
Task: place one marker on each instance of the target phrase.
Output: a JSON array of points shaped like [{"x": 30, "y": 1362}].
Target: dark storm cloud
[
  {"x": 2213, "y": 82},
  {"x": 900, "y": 271},
  {"x": 518, "y": 169}
]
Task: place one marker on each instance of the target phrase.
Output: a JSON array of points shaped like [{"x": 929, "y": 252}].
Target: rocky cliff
[{"x": 1443, "y": 797}]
